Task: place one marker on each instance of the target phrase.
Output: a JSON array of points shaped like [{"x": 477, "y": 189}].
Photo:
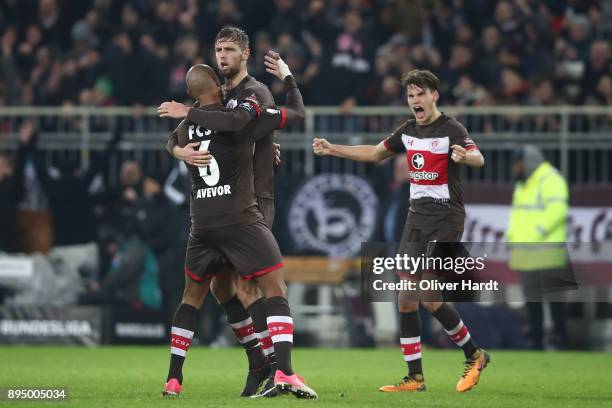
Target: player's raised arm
[
  {"x": 274, "y": 118},
  {"x": 365, "y": 153},
  {"x": 295, "y": 111}
]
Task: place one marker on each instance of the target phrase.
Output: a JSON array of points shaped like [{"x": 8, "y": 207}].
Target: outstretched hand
[
  {"x": 173, "y": 110},
  {"x": 275, "y": 65}
]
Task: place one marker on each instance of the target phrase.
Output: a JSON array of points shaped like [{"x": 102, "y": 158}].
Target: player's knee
[
  {"x": 407, "y": 302},
  {"x": 248, "y": 292},
  {"x": 407, "y": 306},
  {"x": 195, "y": 293},
  {"x": 431, "y": 306},
  {"x": 272, "y": 284},
  {"x": 222, "y": 289}
]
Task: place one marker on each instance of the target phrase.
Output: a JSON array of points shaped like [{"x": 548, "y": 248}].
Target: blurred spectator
[
  {"x": 116, "y": 205},
  {"x": 598, "y": 65},
  {"x": 132, "y": 274},
  {"x": 66, "y": 190},
  {"x": 347, "y": 64},
  {"x": 11, "y": 189},
  {"x": 158, "y": 226},
  {"x": 287, "y": 19}
]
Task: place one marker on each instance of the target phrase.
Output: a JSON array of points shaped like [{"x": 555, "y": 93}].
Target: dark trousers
[{"x": 538, "y": 286}]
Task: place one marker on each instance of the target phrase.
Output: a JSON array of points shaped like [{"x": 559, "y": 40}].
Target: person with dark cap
[{"x": 537, "y": 235}]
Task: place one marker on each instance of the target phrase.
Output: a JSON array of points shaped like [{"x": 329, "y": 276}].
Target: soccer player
[
  {"x": 435, "y": 146},
  {"x": 227, "y": 224},
  {"x": 248, "y": 97}
]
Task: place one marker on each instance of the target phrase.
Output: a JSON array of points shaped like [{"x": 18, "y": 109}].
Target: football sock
[
  {"x": 454, "y": 327},
  {"x": 257, "y": 310},
  {"x": 183, "y": 325},
  {"x": 242, "y": 325},
  {"x": 280, "y": 327},
  {"x": 410, "y": 340}
]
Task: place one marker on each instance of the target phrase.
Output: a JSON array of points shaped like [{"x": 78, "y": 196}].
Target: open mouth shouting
[{"x": 419, "y": 112}]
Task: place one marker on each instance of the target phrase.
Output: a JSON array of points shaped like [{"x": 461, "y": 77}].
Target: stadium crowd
[{"x": 343, "y": 52}]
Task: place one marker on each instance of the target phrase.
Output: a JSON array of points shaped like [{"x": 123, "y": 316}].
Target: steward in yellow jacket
[
  {"x": 539, "y": 214},
  {"x": 536, "y": 235}
]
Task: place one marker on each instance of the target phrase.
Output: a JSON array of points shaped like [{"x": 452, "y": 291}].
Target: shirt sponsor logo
[
  {"x": 418, "y": 161},
  {"x": 423, "y": 175}
]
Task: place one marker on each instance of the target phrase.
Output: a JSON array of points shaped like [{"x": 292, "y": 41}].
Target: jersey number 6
[{"x": 210, "y": 174}]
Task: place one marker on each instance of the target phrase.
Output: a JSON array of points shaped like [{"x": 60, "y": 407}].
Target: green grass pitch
[{"x": 134, "y": 376}]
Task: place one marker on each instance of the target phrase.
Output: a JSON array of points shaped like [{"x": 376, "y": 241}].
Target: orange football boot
[
  {"x": 407, "y": 384},
  {"x": 472, "y": 369}
]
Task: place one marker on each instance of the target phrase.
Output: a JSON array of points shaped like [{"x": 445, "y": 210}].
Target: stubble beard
[{"x": 231, "y": 73}]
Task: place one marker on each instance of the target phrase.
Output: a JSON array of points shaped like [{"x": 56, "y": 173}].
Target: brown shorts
[
  {"x": 420, "y": 243},
  {"x": 266, "y": 208},
  {"x": 251, "y": 249}
]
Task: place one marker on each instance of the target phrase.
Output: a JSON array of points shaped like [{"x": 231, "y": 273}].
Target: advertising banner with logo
[
  {"x": 73, "y": 325},
  {"x": 128, "y": 326},
  {"x": 488, "y": 223},
  {"x": 589, "y": 237},
  {"x": 333, "y": 214}
]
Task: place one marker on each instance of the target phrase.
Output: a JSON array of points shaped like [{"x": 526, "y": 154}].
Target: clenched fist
[
  {"x": 459, "y": 154},
  {"x": 321, "y": 147}
]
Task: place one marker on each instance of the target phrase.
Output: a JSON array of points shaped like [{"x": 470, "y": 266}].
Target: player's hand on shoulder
[
  {"x": 275, "y": 65},
  {"x": 173, "y": 110},
  {"x": 191, "y": 155},
  {"x": 321, "y": 146},
  {"x": 459, "y": 154}
]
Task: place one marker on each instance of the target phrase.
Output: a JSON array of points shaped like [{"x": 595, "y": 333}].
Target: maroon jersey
[
  {"x": 223, "y": 192},
  {"x": 250, "y": 92},
  {"x": 436, "y": 198}
]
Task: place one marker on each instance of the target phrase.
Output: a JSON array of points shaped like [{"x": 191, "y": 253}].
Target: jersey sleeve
[
  {"x": 394, "y": 142},
  {"x": 460, "y": 136},
  {"x": 274, "y": 118},
  {"x": 251, "y": 105},
  {"x": 270, "y": 119},
  {"x": 173, "y": 139},
  {"x": 224, "y": 120}
]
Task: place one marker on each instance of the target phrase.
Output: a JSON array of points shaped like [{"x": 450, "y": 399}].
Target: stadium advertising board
[{"x": 75, "y": 325}]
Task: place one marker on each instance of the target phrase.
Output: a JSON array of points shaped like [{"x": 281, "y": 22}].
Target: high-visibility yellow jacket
[{"x": 539, "y": 215}]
